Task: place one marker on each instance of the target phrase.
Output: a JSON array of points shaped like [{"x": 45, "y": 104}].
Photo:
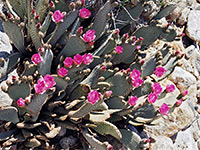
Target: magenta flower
[
  {"x": 62, "y": 72},
  {"x": 57, "y": 16},
  {"x": 156, "y": 88},
  {"x": 152, "y": 98},
  {"x": 68, "y": 62},
  {"x": 21, "y": 102},
  {"x": 132, "y": 100},
  {"x": 179, "y": 102},
  {"x": 87, "y": 59},
  {"x": 84, "y": 13},
  {"x": 40, "y": 87},
  {"x": 49, "y": 81},
  {"x": 36, "y": 58},
  {"x": 89, "y": 36},
  {"x": 93, "y": 97},
  {"x": 118, "y": 49},
  {"x": 159, "y": 71},
  {"x": 164, "y": 109},
  {"x": 137, "y": 82},
  {"x": 170, "y": 88},
  {"x": 78, "y": 59},
  {"x": 108, "y": 93},
  {"x": 135, "y": 74}
]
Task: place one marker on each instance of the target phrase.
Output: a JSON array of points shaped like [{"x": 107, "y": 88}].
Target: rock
[
  {"x": 68, "y": 142},
  {"x": 183, "y": 17},
  {"x": 193, "y": 25},
  {"x": 185, "y": 141},
  {"x": 162, "y": 143},
  {"x": 198, "y": 144},
  {"x": 179, "y": 119},
  {"x": 5, "y": 47},
  {"x": 182, "y": 78}
]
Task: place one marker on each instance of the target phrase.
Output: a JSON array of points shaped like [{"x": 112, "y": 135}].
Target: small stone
[
  {"x": 162, "y": 143},
  {"x": 68, "y": 142}
]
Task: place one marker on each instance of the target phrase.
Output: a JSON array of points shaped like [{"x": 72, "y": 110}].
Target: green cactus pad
[
  {"x": 41, "y": 9},
  {"x": 6, "y": 135},
  {"x": 21, "y": 90},
  {"x": 37, "y": 101},
  {"x": 101, "y": 19},
  {"x": 165, "y": 12},
  {"x": 130, "y": 139},
  {"x": 18, "y": 7},
  {"x": 9, "y": 114},
  {"x": 169, "y": 37},
  {"x": 30, "y": 70},
  {"x": 119, "y": 85},
  {"x": 98, "y": 116},
  {"x": 61, "y": 84},
  {"x": 105, "y": 128},
  {"x": 45, "y": 65},
  {"x": 15, "y": 34},
  {"x": 149, "y": 67},
  {"x": 67, "y": 124},
  {"x": 116, "y": 102}
]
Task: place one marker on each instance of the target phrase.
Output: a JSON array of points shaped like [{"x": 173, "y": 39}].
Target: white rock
[
  {"x": 5, "y": 47},
  {"x": 193, "y": 25},
  {"x": 179, "y": 119},
  {"x": 183, "y": 17},
  {"x": 185, "y": 141},
  {"x": 162, "y": 143}
]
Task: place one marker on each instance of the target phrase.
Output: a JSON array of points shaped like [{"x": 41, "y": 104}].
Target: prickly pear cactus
[{"x": 85, "y": 69}]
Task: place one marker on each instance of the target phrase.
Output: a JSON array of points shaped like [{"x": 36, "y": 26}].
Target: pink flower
[
  {"x": 179, "y": 102},
  {"x": 57, "y": 16},
  {"x": 108, "y": 93},
  {"x": 84, "y": 13},
  {"x": 49, "y": 81},
  {"x": 62, "y": 72},
  {"x": 152, "y": 98},
  {"x": 184, "y": 92},
  {"x": 156, "y": 88},
  {"x": 159, "y": 71},
  {"x": 68, "y": 62},
  {"x": 78, "y": 59},
  {"x": 170, "y": 88},
  {"x": 137, "y": 82},
  {"x": 89, "y": 36},
  {"x": 21, "y": 102},
  {"x": 87, "y": 59},
  {"x": 132, "y": 100},
  {"x": 164, "y": 109},
  {"x": 118, "y": 49},
  {"x": 36, "y": 58},
  {"x": 40, "y": 87},
  {"x": 135, "y": 74},
  {"x": 93, "y": 97}
]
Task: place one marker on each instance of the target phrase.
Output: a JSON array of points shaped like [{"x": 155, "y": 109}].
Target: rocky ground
[{"x": 180, "y": 130}]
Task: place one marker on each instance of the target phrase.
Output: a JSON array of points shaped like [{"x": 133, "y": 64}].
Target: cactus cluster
[{"x": 84, "y": 66}]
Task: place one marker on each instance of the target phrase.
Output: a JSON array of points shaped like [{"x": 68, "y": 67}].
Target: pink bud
[
  {"x": 170, "y": 88},
  {"x": 138, "y": 47},
  {"x": 156, "y": 88},
  {"x": 168, "y": 25},
  {"x": 80, "y": 30},
  {"x": 142, "y": 62},
  {"x": 164, "y": 109},
  {"x": 179, "y": 102},
  {"x": 93, "y": 97},
  {"x": 68, "y": 62},
  {"x": 177, "y": 52},
  {"x": 57, "y": 16},
  {"x": 147, "y": 140},
  {"x": 89, "y": 36},
  {"x": 104, "y": 67},
  {"x": 62, "y": 72},
  {"x": 51, "y": 4},
  {"x": 137, "y": 82},
  {"x": 184, "y": 92},
  {"x": 33, "y": 12},
  {"x": 118, "y": 49},
  {"x": 132, "y": 100},
  {"x": 141, "y": 39},
  {"x": 152, "y": 98},
  {"x": 135, "y": 74},
  {"x": 87, "y": 59},
  {"x": 37, "y": 17},
  {"x": 159, "y": 71},
  {"x": 91, "y": 43},
  {"x": 128, "y": 70},
  {"x": 36, "y": 58},
  {"x": 108, "y": 93},
  {"x": 38, "y": 25},
  {"x": 84, "y": 13},
  {"x": 21, "y": 102},
  {"x": 78, "y": 59},
  {"x": 183, "y": 34}
]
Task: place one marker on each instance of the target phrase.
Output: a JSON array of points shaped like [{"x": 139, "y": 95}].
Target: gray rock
[
  {"x": 5, "y": 47},
  {"x": 67, "y": 142},
  {"x": 179, "y": 119},
  {"x": 162, "y": 143},
  {"x": 193, "y": 25},
  {"x": 185, "y": 141}
]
